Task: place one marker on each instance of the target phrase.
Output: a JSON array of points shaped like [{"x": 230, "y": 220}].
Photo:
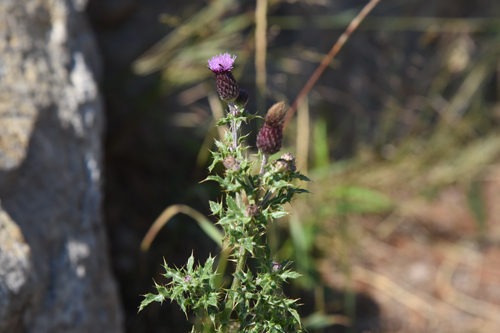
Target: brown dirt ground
[{"x": 424, "y": 266}]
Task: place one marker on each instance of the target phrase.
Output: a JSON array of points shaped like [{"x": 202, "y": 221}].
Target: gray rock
[{"x": 54, "y": 265}]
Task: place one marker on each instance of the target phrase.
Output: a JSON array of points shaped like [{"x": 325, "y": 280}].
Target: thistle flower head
[
  {"x": 221, "y": 63},
  {"x": 270, "y": 136},
  {"x": 221, "y": 66}
]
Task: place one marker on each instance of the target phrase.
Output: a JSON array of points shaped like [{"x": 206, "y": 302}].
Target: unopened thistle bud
[
  {"x": 230, "y": 163},
  {"x": 290, "y": 160},
  {"x": 221, "y": 66},
  {"x": 275, "y": 266},
  {"x": 270, "y": 137},
  {"x": 252, "y": 210},
  {"x": 242, "y": 99},
  {"x": 281, "y": 165}
]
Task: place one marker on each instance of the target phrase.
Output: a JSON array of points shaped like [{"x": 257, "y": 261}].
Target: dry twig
[{"x": 329, "y": 57}]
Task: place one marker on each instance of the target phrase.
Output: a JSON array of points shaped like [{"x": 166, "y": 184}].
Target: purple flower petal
[{"x": 221, "y": 63}]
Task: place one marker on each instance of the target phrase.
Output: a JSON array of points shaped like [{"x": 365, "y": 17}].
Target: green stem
[
  {"x": 234, "y": 124},
  {"x": 240, "y": 264},
  {"x": 263, "y": 165}
]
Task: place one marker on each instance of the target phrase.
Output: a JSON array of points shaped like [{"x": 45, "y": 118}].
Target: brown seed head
[{"x": 276, "y": 114}]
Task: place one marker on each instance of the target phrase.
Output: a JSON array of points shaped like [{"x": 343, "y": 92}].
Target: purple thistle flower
[
  {"x": 221, "y": 63},
  {"x": 221, "y": 66}
]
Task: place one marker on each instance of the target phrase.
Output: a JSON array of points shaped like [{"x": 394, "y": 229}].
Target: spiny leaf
[
  {"x": 289, "y": 275},
  {"x": 149, "y": 298},
  {"x": 163, "y": 291},
  {"x": 215, "y": 207},
  {"x": 278, "y": 185},
  {"x": 231, "y": 204},
  {"x": 208, "y": 265},
  {"x": 214, "y": 162},
  {"x": 302, "y": 177},
  {"x": 223, "y": 121},
  {"x": 278, "y": 214},
  {"x": 248, "y": 244},
  {"x": 190, "y": 264}
]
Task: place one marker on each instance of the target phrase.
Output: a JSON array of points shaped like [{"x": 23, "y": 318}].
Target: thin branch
[{"x": 329, "y": 57}]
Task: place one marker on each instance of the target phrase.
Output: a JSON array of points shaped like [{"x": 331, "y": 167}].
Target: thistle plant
[{"x": 254, "y": 301}]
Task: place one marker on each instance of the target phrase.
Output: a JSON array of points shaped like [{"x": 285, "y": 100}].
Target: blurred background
[{"x": 399, "y": 136}]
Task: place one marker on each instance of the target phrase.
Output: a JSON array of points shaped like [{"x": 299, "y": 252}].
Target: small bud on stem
[
  {"x": 252, "y": 210},
  {"x": 230, "y": 163},
  {"x": 242, "y": 99}
]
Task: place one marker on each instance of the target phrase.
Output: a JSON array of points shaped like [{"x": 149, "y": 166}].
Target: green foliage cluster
[
  {"x": 255, "y": 301},
  {"x": 190, "y": 287}
]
